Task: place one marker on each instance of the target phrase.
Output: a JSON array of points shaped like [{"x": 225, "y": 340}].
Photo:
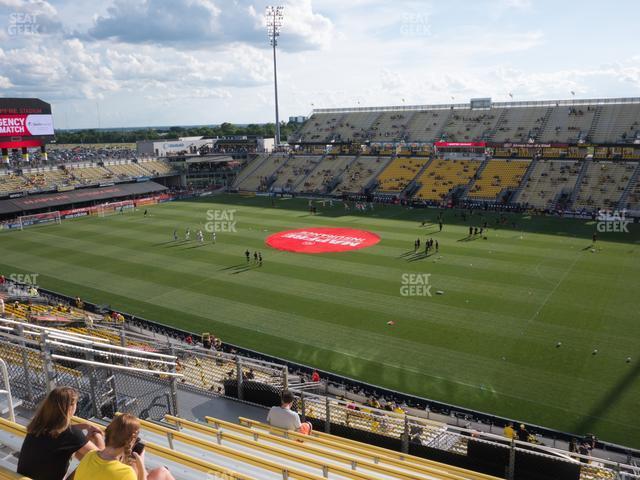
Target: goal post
[
  {"x": 39, "y": 219},
  {"x": 113, "y": 208}
]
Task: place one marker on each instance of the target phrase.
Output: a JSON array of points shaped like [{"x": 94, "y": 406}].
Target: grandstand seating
[
  {"x": 8, "y": 474},
  {"x": 603, "y": 184},
  {"x": 568, "y": 124},
  {"x": 520, "y": 124},
  {"x": 415, "y": 467},
  {"x": 320, "y": 127},
  {"x": 10, "y": 182},
  {"x": 617, "y": 122},
  {"x": 29, "y": 312},
  {"x": 293, "y": 171},
  {"x": 596, "y": 123},
  {"x": 360, "y": 173},
  {"x": 259, "y": 451},
  {"x": 260, "y": 172},
  {"x": 156, "y": 167},
  {"x": 633, "y": 200},
  {"x": 497, "y": 176},
  {"x": 326, "y": 173},
  {"x": 470, "y": 125},
  {"x": 182, "y": 465},
  {"x": 48, "y": 178},
  {"x": 425, "y": 126},
  {"x": 399, "y": 173},
  {"x": 389, "y": 127},
  {"x": 443, "y": 176},
  {"x": 88, "y": 175},
  {"x": 547, "y": 181},
  {"x": 127, "y": 170},
  {"x": 354, "y": 125}
]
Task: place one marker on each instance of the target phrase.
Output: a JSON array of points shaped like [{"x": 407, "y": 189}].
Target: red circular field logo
[{"x": 322, "y": 240}]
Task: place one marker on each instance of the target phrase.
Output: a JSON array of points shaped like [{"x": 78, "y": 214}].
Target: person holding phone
[{"x": 122, "y": 457}]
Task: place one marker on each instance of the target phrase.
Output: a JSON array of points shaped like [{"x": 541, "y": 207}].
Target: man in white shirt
[{"x": 285, "y": 418}]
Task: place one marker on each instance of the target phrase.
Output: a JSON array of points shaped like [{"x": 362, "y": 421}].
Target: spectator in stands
[
  {"x": 283, "y": 417},
  {"x": 509, "y": 431},
  {"x": 373, "y": 402},
  {"x": 523, "y": 434},
  {"x": 121, "y": 459},
  {"x": 51, "y": 440},
  {"x": 315, "y": 376},
  {"x": 1, "y": 307}
]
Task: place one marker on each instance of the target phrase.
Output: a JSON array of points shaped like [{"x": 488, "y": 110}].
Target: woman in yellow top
[{"x": 117, "y": 461}]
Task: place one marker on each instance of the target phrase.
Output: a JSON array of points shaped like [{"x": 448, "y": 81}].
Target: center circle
[{"x": 322, "y": 240}]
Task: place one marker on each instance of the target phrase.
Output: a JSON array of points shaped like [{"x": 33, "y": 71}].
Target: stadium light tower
[{"x": 274, "y": 22}]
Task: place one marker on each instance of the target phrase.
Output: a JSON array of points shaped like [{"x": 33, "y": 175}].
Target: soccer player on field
[
  {"x": 213, "y": 237},
  {"x": 175, "y": 235},
  {"x": 187, "y": 235},
  {"x": 200, "y": 236}
]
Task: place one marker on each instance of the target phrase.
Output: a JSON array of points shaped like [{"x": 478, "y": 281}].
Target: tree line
[{"x": 266, "y": 130}]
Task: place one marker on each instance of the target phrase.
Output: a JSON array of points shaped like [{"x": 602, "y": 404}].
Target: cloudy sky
[{"x": 178, "y": 62}]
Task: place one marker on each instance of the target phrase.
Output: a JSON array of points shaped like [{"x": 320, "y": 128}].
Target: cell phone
[{"x": 138, "y": 447}]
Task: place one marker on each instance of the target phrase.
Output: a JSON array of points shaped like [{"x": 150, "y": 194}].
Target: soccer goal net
[
  {"x": 39, "y": 219},
  {"x": 107, "y": 209}
]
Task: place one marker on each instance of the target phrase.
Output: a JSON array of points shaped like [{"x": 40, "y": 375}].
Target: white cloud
[
  {"x": 210, "y": 60},
  {"x": 207, "y": 23}
]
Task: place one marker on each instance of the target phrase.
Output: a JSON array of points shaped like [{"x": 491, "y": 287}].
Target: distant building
[{"x": 180, "y": 146}]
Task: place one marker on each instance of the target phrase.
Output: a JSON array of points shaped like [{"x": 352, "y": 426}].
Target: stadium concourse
[{"x": 202, "y": 406}]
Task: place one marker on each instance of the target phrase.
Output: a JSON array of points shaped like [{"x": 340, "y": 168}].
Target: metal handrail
[
  {"x": 5, "y": 378},
  {"x": 115, "y": 367}
]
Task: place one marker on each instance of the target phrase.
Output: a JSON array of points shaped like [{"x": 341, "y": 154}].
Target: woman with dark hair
[
  {"x": 122, "y": 457},
  {"x": 51, "y": 441}
]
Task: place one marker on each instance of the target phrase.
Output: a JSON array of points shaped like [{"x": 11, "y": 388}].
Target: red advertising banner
[
  {"x": 460, "y": 144},
  {"x": 21, "y": 143},
  {"x": 25, "y": 125}
]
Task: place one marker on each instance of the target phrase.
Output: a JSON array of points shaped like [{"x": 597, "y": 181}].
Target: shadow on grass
[
  {"x": 163, "y": 243},
  {"x": 239, "y": 265},
  {"x": 419, "y": 256},
  {"x": 468, "y": 238},
  {"x": 599, "y": 410},
  {"x": 246, "y": 268},
  {"x": 196, "y": 246},
  {"x": 178, "y": 244}
]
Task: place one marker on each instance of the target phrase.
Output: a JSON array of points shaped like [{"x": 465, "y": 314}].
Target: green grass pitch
[{"x": 488, "y": 342}]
